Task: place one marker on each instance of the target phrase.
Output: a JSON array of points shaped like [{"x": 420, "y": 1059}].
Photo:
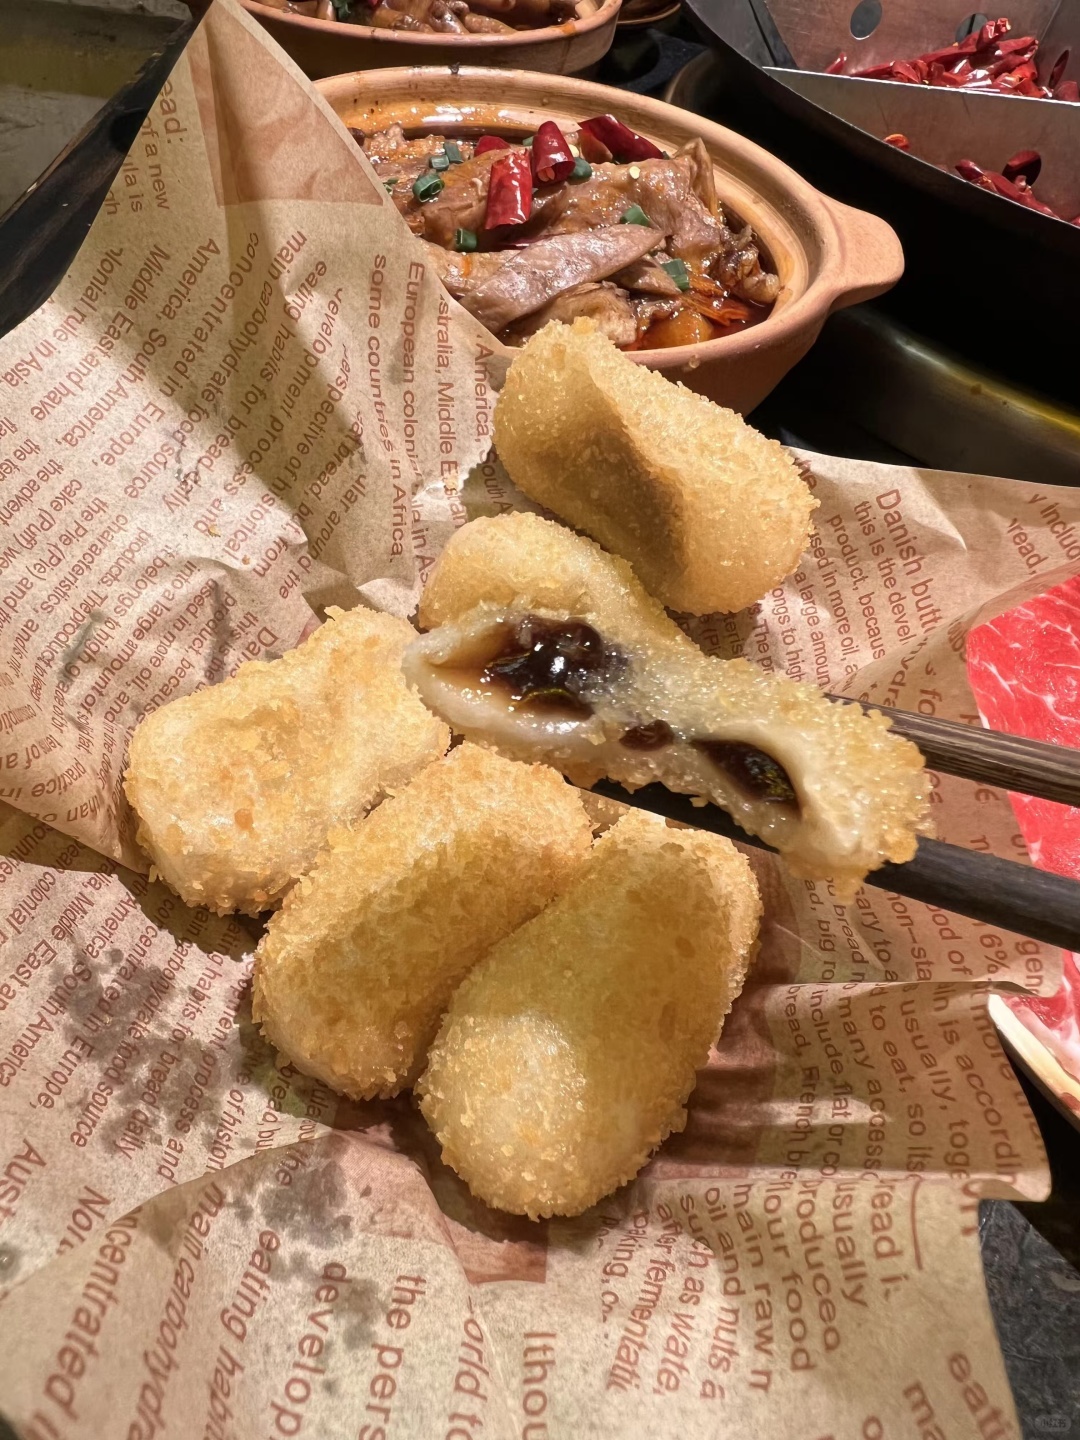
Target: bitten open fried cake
[
  {"x": 710, "y": 514},
  {"x": 567, "y": 1055},
  {"x": 578, "y": 667},
  {"x": 237, "y": 786},
  {"x": 356, "y": 969}
]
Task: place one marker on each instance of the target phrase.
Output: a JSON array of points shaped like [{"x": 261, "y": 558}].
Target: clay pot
[
  {"x": 827, "y": 255},
  {"x": 326, "y": 47}
]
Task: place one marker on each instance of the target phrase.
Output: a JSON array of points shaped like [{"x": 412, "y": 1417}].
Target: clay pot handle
[{"x": 870, "y": 259}]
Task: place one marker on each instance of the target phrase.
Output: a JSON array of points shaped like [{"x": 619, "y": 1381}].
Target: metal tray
[{"x": 987, "y": 278}]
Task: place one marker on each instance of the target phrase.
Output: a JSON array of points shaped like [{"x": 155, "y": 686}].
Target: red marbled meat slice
[{"x": 1024, "y": 669}]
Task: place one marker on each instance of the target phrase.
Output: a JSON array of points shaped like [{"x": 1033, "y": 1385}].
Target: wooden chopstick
[
  {"x": 983, "y": 887},
  {"x": 990, "y": 757}
]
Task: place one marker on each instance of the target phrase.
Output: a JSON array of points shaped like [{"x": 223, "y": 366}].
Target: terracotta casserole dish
[
  {"x": 325, "y": 47},
  {"x": 827, "y": 255}
]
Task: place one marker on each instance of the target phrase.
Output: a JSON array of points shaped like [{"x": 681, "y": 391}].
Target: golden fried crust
[
  {"x": 568, "y": 1054},
  {"x": 862, "y": 789},
  {"x": 237, "y": 786},
  {"x": 355, "y": 971},
  {"x": 710, "y": 514},
  {"x": 523, "y": 560}
]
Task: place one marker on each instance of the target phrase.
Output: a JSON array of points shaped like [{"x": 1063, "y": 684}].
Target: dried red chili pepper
[
  {"x": 951, "y": 52},
  {"x": 593, "y": 151},
  {"x": 968, "y": 170},
  {"x": 1014, "y": 61},
  {"x": 991, "y": 31},
  {"x": 623, "y": 143},
  {"x": 509, "y": 199},
  {"x": 837, "y": 66},
  {"x": 1023, "y": 196},
  {"x": 1027, "y": 163},
  {"x": 1023, "y": 42},
  {"x": 898, "y": 141},
  {"x": 942, "y": 78},
  {"x": 983, "y": 60},
  {"x": 552, "y": 158},
  {"x": 1057, "y": 70},
  {"x": 903, "y": 71},
  {"x": 1016, "y": 189},
  {"x": 490, "y": 142}
]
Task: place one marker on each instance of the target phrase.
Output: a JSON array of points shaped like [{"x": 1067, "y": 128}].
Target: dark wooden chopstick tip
[
  {"x": 988, "y": 757},
  {"x": 986, "y": 888}
]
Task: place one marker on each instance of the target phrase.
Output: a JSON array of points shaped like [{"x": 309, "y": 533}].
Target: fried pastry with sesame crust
[
  {"x": 547, "y": 648},
  {"x": 356, "y": 969},
  {"x": 711, "y": 514},
  {"x": 237, "y": 786},
  {"x": 567, "y": 1055}
]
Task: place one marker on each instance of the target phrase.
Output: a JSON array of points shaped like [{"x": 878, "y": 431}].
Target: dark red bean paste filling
[
  {"x": 552, "y": 664},
  {"x": 555, "y": 664},
  {"x": 653, "y": 736},
  {"x": 758, "y": 774}
]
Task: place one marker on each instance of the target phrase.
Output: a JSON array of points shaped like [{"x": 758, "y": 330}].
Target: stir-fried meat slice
[
  {"x": 578, "y": 233},
  {"x": 384, "y": 18},
  {"x": 396, "y": 158},
  {"x": 527, "y": 13},
  {"x": 418, "y": 10},
  {"x": 462, "y": 273},
  {"x": 391, "y": 144},
  {"x": 533, "y": 276},
  {"x": 668, "y": 192},
  {"x": 647, "y": 276},
  {"x": 663, "y": 189},
  {"x": 460, "y": 205},
  {"x": 740, "y": 270},
  {"x": 604, "y": 304},
  {"x": 702, "y": 175},
  {"x": 445, "y": 20},
  {"x": 404, "y": 172},
  {"x": 463, "y": 17},
  {"x": 646, "y": 310}
]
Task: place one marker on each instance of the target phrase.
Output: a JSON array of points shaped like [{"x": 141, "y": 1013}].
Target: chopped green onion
[
  {"x": 634, "y": 216},
  {"x": 527, "y": 142},
  {"x": 426, "y": 187},
  {"x": 582, "y": 169},
  {"x": 678, "y": 272},
  {"x": 465, "y": 240},
  {"x": 440, "y": 162},
  {"x": 452, "y": 151},
  {"x": 390, "y": 186}
]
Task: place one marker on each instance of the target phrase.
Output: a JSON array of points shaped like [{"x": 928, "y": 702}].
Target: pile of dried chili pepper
[
  {"x": 1013, "y": 181},
  {"x": 983, "y": 60},
  {"x": 551, "y": 159}
]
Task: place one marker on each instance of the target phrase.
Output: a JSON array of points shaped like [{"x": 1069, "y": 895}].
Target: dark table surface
[{"x": 1031, "y": 1253}]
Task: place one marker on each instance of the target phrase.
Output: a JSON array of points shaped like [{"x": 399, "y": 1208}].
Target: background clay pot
[
  {"x": 826, "y": 254},
  {"x": 326, "y": 47}
]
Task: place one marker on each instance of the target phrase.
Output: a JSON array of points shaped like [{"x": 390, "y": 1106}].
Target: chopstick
[
  {"x": 983, "y": 887},
  {"x": 990, "y": 757}
]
